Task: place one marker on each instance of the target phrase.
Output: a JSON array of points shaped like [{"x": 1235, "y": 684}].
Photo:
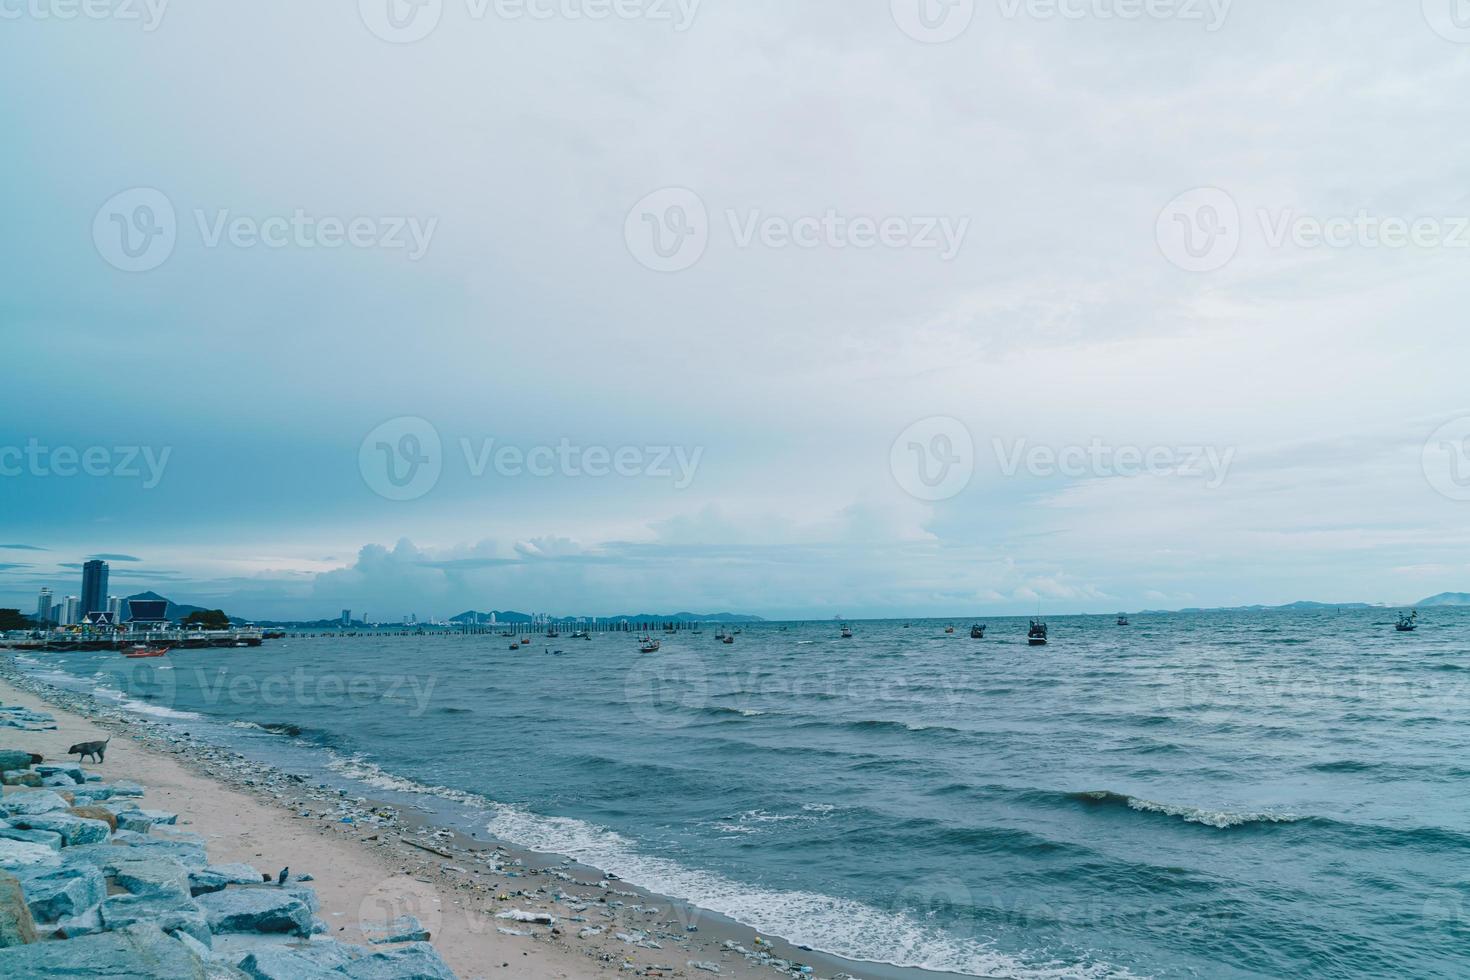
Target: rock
[
  {"x": 189, "y": 853},
  {"x": 218, "y": 876},
  {"x": 94, "y": 813},
  {"x": 169, "y": 913},
  {"x": 70, "y": 770},
  {"x": 50, "y": 839},
  {"x": 13, "y": 759},
  {"x": 404, "y": 929},
  {"x": 133, "y": 953},
  {"x": 315, "y": 960},
  {"x": 20, "y": 779},
  {"x": 263, "y": 908},
  {"x": 84, "y": 924},
  {"x": 144, "y": 874},
  {"x": 17, "y": 927},
  {"x": 62, "y": 892},
  {"x": 160, "y": 816},
  {"x": 21, "y": 854},
  {"x": 416, "y": 961},
  {"x": 35, "y": 801},
  {"x": 73, "y": 830},
  {"x": 134, "y": 821}
]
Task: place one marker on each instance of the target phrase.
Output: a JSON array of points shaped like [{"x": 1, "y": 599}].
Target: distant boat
[
  {"x": 1407, "y": 624},
  {"x": 1123, "y": 619},
  {"x": 949, "y": 629},
  {"x": 727, "y": 640},
  {"x": 846, "y": 632},
  {"x": 515, "y": 646},
  {"x": 649, "y": 645},
  {"x": 140, "y": 652},
  {"x": 977, "y": 632},
  {"x": 1036, "y": 636},
  {"x": 552, "y": 634}
]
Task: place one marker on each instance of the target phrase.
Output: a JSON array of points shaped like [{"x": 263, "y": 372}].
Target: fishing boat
[
  {"x": 581, "y": 635},
  {"x": 727, "y": 640},
  {"x": 1036, "y": 635},
  {"x": 977, "y": 632},
  {"x": 1123, "y": 619},
  {"x": 515, "y": 646},
  {"x": 846, "y": 633},
  {"x": 552, "y": 634},
  {"x": 949, "y": 629},
  {"x": 1409, "y": 623},
  {"x": 648, "y": 645},
  {"x": 141, "y": 652}
]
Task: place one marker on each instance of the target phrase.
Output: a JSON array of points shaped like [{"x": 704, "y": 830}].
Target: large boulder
[
  {"x": 134, "y": 953},
  {"x": 50, "y": 839},
  {"x": 190, "y": 853},
  {"x": 144, "y": 874},
  {"x": 17, "y": 927},
  {"x": 95, "y": 813},
  {"x": 73, "y": 829},
  {"x": 217, "y": 877},
  {"x": 34, "y": 801},
  {"x": 404, "y": 929},
  {"x": 75, "y": 773},
  {"x": 21, "y": 777},
  {"x": 265, "y": 908},
  {"x": 167, "y": 912},
  {"x": 62, "y": 892},
  {"x": 12, "y": 759},
  {"x": 313, "y": 960},
  {"x": 416, "y": 961},
  {"x": 22, "y": 854}
]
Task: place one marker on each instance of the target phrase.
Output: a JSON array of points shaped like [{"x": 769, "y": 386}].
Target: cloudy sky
[{"x": 859, "y": 306}]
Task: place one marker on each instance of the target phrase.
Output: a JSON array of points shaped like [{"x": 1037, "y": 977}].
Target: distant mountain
[
  {"x": 1299, "y": 606},
  {"x": 1447, "y": 599},
  {"x": 679, "y": 617}
]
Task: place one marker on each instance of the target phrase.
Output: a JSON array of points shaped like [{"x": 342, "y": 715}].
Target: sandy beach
[{"x": 492, "y": 910}]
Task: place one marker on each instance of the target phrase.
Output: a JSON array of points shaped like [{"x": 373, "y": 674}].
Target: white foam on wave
[
  {"x": 838, "y": 926},
  {"x": 358, "y": 768},
  {"x": 142, "y": 707},
  {"x": 1220, "y": 819}
]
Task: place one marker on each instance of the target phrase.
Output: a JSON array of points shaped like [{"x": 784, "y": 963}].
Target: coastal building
[
  {"x": 347, "y": 617},
  {"x": 114, "y": 607},
  {"x": 44, "y": 614},
  {"x": 70, "y": 615},
  {"x": 94, "y": 586}
]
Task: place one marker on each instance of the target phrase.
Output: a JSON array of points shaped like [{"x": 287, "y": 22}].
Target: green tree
[
  {"x": 210, "y": 619},
  {"x": 11, "y": 619}
]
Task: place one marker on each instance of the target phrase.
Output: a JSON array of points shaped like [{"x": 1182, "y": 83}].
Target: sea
[{"x": 1253, "y": 794}]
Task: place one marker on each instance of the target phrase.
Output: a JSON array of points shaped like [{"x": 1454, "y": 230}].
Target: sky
[{"x": 878, "y": 308}]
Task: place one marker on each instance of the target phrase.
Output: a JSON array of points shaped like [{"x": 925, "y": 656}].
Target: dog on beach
[{"x": 98, "y": 750}]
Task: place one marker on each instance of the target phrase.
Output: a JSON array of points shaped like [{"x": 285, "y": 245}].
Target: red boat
[{"x": 140, "y": 652}]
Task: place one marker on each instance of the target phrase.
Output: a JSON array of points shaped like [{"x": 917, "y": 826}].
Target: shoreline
[{"x": 373, "y": 859}]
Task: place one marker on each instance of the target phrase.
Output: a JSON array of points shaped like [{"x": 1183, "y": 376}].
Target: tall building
[
  {"x": 347, "y": 617},
  {"x": 94, "y": 587},
  {"x": 43, "y": 607},
  {"x": 69, "y": 615},
  {"x": 114, "y": 606}
]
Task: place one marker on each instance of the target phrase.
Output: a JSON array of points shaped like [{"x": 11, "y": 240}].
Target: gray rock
[
  {"x": 169, "y": 913},
  {"x": 160, "y": 816},
  {"x": 75, "y": 773},
  {"x": 50, "y": 839},
  {"x": 145, "y": 874},
  {"x": 404, "y": 929},
  {"x": 217, "y": 877},
  {"x": 140, "y": 952},
  {"x": 14, "y": 759},
  {"x": 416, "y": 961},
  {"x": 134, "y": 821},
  {"x": 189, "y": 853},
  {"x": 21, "y": 854},
  {"x": 60, "y": 781},
  {"x": 20, "y": 778},
  {"x": 84, "y": 924},
  {"x": 34, "y": 801},
  {"x": 73, "y": 830},
  {"x": 264, "y": 908},
  {"x": 315, "y": 960},
  {"x": 62, "y": 892}
]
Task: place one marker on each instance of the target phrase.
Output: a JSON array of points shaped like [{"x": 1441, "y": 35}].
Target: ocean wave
[
  {"x": 1219, "y": 819},
  {"x": 842, "y": 927},
  {"x": 137, "y": 707},
  {"x": 360, "y": 769}
]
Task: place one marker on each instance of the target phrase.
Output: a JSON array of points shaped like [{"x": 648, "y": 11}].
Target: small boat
[
  {"x": 581, "y": 635},
  {"x": 977, "y": 632},
  {"x": 846, "y": 632},
  {"x": 1036, "y": 635},
  {"x": 1123, "y": 619},
  {"x": 1407, "y": 624},
  {"x": 949, "y": 629},
  {"x": 648, "y": 645},
  {"x": 141, "y": 652},
  {"x": 552, "y": 634},
  {"x": 727, "y": 640},
  {"x": 515, "y": 646}
]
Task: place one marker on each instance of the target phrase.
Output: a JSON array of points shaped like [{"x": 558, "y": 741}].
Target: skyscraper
[
  {"x": 70, "y": 616},
  {"x": 114, "y": 606},
  {"x": 43, "y": 607},
  {"x": 94, "y": 587}
]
